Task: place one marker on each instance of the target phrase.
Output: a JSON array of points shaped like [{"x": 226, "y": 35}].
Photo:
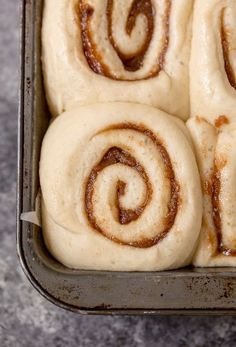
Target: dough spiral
[
  {"x": 121, "y": 187},
  {"x": 132, "y": 40},
  {"x": 116, "y": 155},
  {"x": 117, "y": 50}
]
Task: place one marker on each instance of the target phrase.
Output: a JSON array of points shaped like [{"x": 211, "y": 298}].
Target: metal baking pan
[{"x": 185, "y": 291}]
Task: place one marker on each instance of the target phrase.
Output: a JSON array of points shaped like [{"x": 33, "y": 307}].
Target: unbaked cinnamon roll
[
  {"x": 117, "y": 50},
  {"x": 213, "y": 127},
  {"x": 121, "y": 189}
]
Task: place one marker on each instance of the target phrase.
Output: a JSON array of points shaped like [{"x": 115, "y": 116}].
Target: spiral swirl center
[
  {"x": 134, "y": 61},
  {"x": 103, "y": 47},
  {"x": 115, "y": 155}
]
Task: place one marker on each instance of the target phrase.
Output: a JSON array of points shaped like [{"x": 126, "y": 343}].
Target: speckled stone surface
[{"x": 27, "y": 319}]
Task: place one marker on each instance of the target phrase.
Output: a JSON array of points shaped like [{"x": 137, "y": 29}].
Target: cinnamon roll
[
  {"x": 213, "y": 126},
  {"x": 117, "y": 50},
  {"x": 114, "y": 190}
]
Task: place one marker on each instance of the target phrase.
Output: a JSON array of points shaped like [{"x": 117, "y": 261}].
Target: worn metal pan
[{"x": 186, "y": 291}]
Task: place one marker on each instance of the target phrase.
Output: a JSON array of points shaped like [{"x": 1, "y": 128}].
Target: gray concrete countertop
[{"x": 27, "y": 319}]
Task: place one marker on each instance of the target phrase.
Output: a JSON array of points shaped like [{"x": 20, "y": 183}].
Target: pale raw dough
[
  {"x": 211, "y": 93},
  {"x": 69, "y": 80},
  {"x": 74, "y": 144}
]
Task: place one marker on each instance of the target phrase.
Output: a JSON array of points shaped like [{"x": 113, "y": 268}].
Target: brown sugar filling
[
  {"x": 221, "y": 120},
  {"x": 216, "y": 210},
  {"x": 226, "y": 49},
  {"x": 125, "y": 216},
  {"x": 131, "y": 62}
]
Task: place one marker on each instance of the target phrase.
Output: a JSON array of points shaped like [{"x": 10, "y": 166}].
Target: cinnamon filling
[
  {"x": 216, "y": 210},
  {"x": 220, "y": 121},
  {"x": 125, "y": 216},
  {"x": 131, "y": 62},
  {"x": 226, "y": 50},
  {"x": 90, "y": 52}
]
